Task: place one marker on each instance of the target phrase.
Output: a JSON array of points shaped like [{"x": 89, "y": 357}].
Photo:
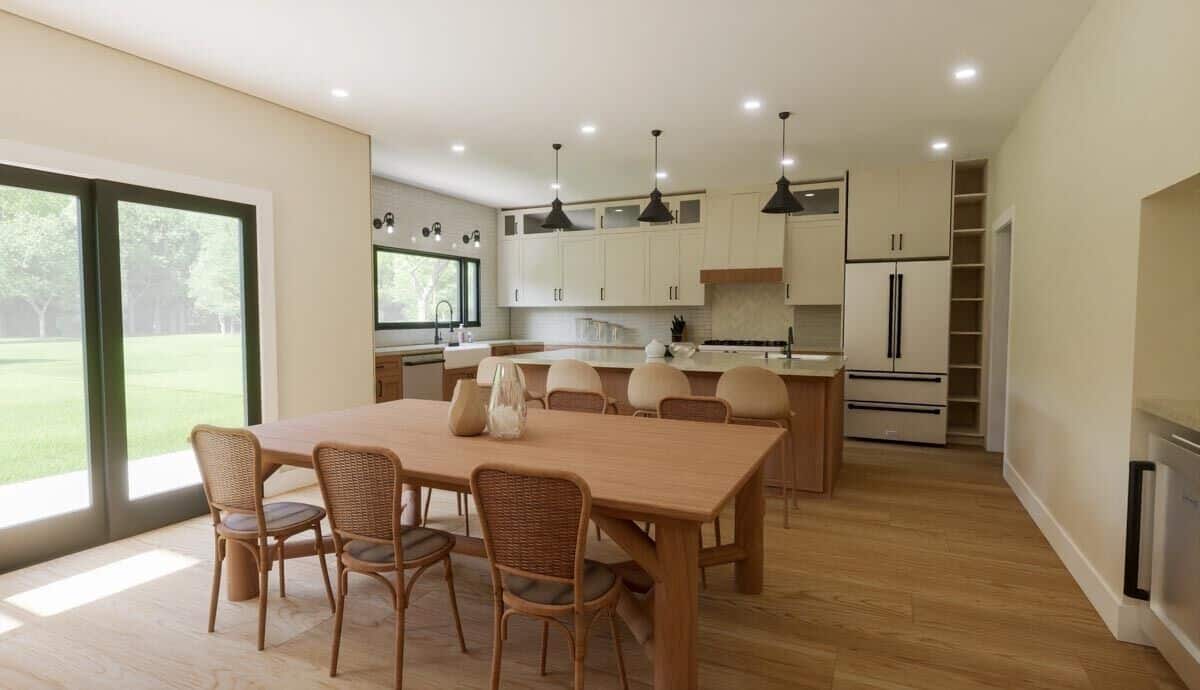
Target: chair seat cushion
[
  {"x": 597, "y": 580},
  {"x": 280, "y": 517},
  {"x": 418, "y": 543}
]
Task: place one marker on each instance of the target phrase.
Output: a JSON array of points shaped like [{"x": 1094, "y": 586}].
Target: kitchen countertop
[
  {"x": 430, "y": 347},
  {"x": 705, "y": 362},
  {"x": 1185, "y": 413}
]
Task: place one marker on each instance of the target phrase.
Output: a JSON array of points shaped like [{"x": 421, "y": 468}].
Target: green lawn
[{"x": 173, "y": 382}]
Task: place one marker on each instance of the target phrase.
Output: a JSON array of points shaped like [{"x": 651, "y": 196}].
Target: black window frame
[{"x": 460, "y": 309}]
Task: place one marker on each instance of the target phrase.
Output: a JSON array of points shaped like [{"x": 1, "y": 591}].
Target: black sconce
[
  {"x": 436, "y": 232},
  {"x": 472, "y": 238},
  {"x": 388, "y": 220}
]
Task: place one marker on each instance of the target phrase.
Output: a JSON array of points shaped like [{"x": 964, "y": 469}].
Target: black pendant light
[
  {"x": 656, "y": 211},
  {"x": 783, "y": 201},
  {"x": 556, "y": 219}
]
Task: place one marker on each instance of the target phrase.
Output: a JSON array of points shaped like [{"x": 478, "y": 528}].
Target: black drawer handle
[
  {"x": 886, "y": 408},
  {"x": 872, "y": 377}
]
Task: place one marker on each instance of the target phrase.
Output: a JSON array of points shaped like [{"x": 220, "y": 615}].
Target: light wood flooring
[{"x": 922, "y": 572}]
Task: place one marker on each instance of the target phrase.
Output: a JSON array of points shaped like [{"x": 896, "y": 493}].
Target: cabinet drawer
[
  {"x": 502, "y": 350},
  {"x": 390, "y": 363},
  {"x": 892, "y": 422},
  {"x": 928, "y": 389}
]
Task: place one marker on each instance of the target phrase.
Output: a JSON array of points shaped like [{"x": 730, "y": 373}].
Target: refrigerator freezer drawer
[
  {"x": 887, "y": 421},
  {"x": 924, "y": 389}
]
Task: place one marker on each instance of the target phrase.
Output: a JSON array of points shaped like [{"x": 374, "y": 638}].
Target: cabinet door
[
  {"x": 389, "y": 387},
  {"x": 688, "y": 288},
  {"x": 769, "y": 238},
  {"x": 923, "y": 219},
  {"x": 508, "y": 273},
  {"x": 743, "y": 233},
  {"x": 581, "y": 271},
  {"x": 922, "y": 316},
  {"x": 868, "y": 314},
  {"x": 541, "y": 270},
  {"x": 663, "y": 271},
  {"x": 624, "y": 270},
  {"x": 507, "y": 226},
  {"x": 813, "y": 269},
  {"x": 874, "y": 201},
  {"x": 688, "y": 210},
  {"x": 717, "y": 233}
]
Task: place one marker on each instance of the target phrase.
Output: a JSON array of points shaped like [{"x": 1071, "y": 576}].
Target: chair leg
[
  {"x": 612, "y": 624},
  {"x": 717, "y": 529},
  {"x": 789, "y": 474},
  {"x": 581, "y": 635},
  {"x": 462, "y": 643},
  {"x": 262, "y": 598},
  {"x": 545, "y": 639},
  {"x": 703, "y": 571},
  {"x": 282, "y": 589},
  {"x": 399, "y": 682},
  {"x": 497, "y": 643},
  {"x": 324, "y": 567},
  {"x": 458, "y": 500},
  {"x": 466, "y": 512},
  {"x": 428, "y": 500},
  {"x": 598, "y": 535},
  {"x": 218, "y": 557},
  {"x": 339, "y": 612}
]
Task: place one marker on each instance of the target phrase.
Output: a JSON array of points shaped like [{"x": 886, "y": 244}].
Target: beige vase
[{"x": 468, "y": 409}]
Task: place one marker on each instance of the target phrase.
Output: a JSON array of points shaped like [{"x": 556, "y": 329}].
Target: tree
[
  {"x": 158, "y": 248},
  {"x": 213, "y": 282},
  {"x": 39, "y": 250}
]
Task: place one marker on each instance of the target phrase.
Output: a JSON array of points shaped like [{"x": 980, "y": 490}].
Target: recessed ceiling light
[
  {"x": 965, "y": 73},
  {"x": 458, "y": 148},
  {"x": 588, "y": 129},
  {"x": 752, "y": 104},
  {"x": 787, "y": 161},
  {"x": 555, "y": 185},
  {"x": 810, "y": 194},
  {"x": 339, "y": 93},
  {"x": 939, "y": 145}
]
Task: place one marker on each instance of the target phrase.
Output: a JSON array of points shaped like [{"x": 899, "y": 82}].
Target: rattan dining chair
[
  {"x": 697, "y": 408},
  {"x": 571, "y": 379},
  {"x": 363, "y": 489},
  {"x": 759, "y": 397},
  {"x": 230, "y": 462},
  {"x": 534, "y": 525},
  {"x": 653, "y": 381}
]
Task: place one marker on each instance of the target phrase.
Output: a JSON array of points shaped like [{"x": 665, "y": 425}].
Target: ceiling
[{"x": 869, "y": 82}]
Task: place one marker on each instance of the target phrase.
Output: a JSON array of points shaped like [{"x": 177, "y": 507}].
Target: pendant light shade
[
  {"x": 556, "y": 219},
  {"x": 656, "y": 211},
  {"x": 783, "y": 201}
]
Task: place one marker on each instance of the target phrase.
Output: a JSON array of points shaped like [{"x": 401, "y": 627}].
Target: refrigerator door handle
[
  {"x": 891, "y": 310},
  {"x": 899, "y": 312}
]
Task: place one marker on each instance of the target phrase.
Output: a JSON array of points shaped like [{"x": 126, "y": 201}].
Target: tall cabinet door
[
  {"x": 688, "y": 288},
  {"x": 872, "y": 206},
  {"x": 923, "y": 228},
  {"x": 541, "y": 270},
  {"x": 812, "y": 266},
  {"x": 624, "y": 270},
  {"x": 508, "y": 273},
  {"x": 663, "y": 270},
  {"x": 922, "y": 316},
  {"x": 870, "y": 291},
  {"x": 581, "y": 271}
]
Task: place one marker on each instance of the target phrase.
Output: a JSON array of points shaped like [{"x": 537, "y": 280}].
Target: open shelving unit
[{"x": 968, "y": 317}]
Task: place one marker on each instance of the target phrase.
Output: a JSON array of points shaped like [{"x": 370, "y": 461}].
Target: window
[{"x": 410, "y": 284}]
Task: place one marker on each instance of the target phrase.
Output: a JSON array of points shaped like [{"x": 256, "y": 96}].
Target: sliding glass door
[{"x": 127, "y": 315}]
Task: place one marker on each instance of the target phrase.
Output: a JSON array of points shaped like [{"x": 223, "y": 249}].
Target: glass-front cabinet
[
  {"x": 620, "y": 215},
  {"x": 582, "y": 218},
  {"x": 509, "y": 224}
]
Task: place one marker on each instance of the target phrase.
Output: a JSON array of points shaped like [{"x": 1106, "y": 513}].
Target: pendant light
[
  {"x": 656, "y": 211},
  {"x": 556, "y": 219},
  {"x": 783, "y": 201}
]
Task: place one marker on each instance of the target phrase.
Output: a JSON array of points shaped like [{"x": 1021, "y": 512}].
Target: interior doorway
[{"x": 1002, "y": 236}]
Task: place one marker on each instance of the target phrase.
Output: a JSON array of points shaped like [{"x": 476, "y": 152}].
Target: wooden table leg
[
  {"x": 412, "y": 503},
  {"x": 676, "y": 604},
  {"x": 241, "y": 574},
  {"x": 749, "y": 509}
]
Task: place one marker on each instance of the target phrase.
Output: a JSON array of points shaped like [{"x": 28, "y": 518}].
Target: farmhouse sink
[{"x": 466, "y": 355}]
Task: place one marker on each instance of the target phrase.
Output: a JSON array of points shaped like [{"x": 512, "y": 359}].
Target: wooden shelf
[
  {"x": 970, "y": 231},
  {"x": 966, "y": 332},
  {"x": 966, "y": 299},
  {"x": 966, "y": 366},
  {"x": 966, "y": 265},
  {"x": 965, "y": 198},
  {"x": 963, "y": 431},
  {"x": 963, "y": 399}
]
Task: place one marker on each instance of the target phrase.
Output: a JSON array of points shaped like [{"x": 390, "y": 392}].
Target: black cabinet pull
[
  {"x": 889, "y": 408},
  {"x": 601, "y": 294},
  {"x": 901, "y": 241},
  {"x": 891, "y": 310},
  {"x": 899, "y": 312},
  {"x": 921, "y": 379},
  {"x": 787, "y": 291},
  {"x": 893, "y": 241}
]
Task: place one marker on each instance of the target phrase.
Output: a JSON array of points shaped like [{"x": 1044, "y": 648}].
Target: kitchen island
[{"x": 814, "y": 382}]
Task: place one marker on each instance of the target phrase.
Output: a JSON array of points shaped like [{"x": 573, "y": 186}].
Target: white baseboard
[
  {"x": 1123, "y": 619},
  {"x": 288, "y": 479}
]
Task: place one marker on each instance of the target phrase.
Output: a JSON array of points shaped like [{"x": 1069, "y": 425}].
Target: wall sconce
[
  {"x": 388, "y": 220},
  {"x": 472, "y": 238},
  {"x": 436, "y": 232}
]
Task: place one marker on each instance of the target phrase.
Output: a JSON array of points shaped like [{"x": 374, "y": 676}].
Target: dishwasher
[{"x": 422, "y": 378}]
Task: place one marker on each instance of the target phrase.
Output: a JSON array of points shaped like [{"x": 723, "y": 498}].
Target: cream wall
[
  {"x": 1115, "y": 121},
  {"x": 121, "y": 113}
]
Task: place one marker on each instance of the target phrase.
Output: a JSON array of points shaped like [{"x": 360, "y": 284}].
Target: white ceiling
[{"x": 868, "y": 81}]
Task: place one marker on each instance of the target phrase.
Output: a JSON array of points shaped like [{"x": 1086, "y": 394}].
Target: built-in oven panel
[{"x": 927, "y": 389}]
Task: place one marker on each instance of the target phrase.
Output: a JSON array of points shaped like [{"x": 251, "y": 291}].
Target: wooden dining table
[{"x": 674, "y": 474}]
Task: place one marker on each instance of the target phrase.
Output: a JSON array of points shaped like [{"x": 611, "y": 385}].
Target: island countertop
[{"x": 824, "y": 366}]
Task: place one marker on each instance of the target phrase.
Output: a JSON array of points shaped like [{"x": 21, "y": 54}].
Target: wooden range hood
[
  {"x": 742, "y": 244},
  {"x": 717, "y": 276}
]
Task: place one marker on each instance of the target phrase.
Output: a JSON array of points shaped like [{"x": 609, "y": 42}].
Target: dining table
[{"x": 676, "y": 475}]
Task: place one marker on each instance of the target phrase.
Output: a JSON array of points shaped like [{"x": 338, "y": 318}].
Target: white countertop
[
  {"x": 430, "y": 347},
  {"x": 1185, "y": 413},
  {"x": 706, "y": 362}
]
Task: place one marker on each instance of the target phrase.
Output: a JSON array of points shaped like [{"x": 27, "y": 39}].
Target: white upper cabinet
[
  {"x": 663, "y": 266},
  {"x": 508, "y": 273},
  {"x": 624, "y": 270},
  {"x": 689, "y": 291},
  {"x": 899, "y": 213},
  {"x": 508, "y": 227},
  {"x": 620, "y": 215},
  {"x": 740, "y": 235},
  {"x": 813, "y": 268},
  {"x": 582, "y": 271},
  {"x": 541, "y": 270}
]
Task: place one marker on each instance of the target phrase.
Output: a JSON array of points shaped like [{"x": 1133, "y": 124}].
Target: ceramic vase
[{"x": 468, "y": 409}]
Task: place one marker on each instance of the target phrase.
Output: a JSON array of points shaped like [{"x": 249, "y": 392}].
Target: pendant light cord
[
  {"x": 783, "y": 147},
  {"x": 655, "y": 161}
]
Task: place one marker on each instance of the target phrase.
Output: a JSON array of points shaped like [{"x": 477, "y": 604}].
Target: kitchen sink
[
  {"x": 466, "y": 355},
  {"x": 810, "y": 358}
]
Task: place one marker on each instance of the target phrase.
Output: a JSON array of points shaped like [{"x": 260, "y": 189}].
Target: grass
[{"x": 172, "y": 383}]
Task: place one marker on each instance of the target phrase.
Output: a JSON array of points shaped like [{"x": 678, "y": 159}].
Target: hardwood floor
[{"x": 922, "y": 572}]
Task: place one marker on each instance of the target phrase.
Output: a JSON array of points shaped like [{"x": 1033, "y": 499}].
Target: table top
[
  {"x": 823, "y": 366},
  {"x": 636, "y": 467}
]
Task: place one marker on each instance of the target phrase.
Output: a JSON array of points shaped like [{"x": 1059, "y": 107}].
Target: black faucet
[
  {"x": 791, "y": 340},
  {"x": 437, "y": 338}
]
